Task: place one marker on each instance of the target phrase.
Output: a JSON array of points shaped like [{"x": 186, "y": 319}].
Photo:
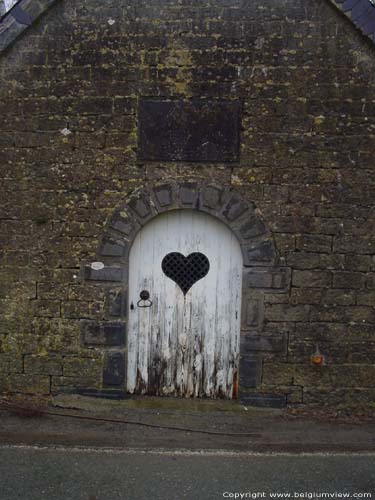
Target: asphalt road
[{"x": 31, "y": 473}]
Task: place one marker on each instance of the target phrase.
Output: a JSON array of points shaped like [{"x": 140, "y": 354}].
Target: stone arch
[
  {"x": 222, "y": 202},
  {"x": 261, "y": 274}
]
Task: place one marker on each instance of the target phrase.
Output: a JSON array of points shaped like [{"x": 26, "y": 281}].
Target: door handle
[{"x": 144, "y": 300}]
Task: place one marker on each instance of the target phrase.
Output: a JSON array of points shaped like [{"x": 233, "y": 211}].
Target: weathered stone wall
[{"x": 306, "y": 80}]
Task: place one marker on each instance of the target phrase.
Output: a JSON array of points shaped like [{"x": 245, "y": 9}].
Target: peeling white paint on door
[{"x": 184, "y": 345}]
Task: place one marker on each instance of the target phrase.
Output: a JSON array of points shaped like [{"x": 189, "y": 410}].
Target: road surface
[{"x": 63, "y": 473}]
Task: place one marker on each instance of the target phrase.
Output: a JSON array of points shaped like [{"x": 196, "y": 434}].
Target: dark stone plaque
[{"x": 197, "y": 130}]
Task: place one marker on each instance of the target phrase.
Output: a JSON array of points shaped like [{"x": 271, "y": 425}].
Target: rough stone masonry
[{"x": 77, "y": 182}]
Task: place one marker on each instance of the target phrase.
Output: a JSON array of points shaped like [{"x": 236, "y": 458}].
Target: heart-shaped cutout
[{"x": 185, "y": 271}]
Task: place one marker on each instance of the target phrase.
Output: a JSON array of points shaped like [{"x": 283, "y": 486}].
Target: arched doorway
[
  {"x": 183, "y": 340},
  {"x": 261, "y": 273}
]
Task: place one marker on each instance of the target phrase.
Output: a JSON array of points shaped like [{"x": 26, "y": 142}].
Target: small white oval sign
[{"x": 97, "y": 266}]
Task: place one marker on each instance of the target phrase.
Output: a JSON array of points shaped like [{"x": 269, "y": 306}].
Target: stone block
[
  {"x": 338, "y": 396},
  {"x": 211, "y": 197},
  {"x": 10, "y": 363},
  {"x": 141, "y": 206},
  {"x": 278, "y": 374},
  {"x": 273, "y": 280},
  {"x": 250, "y": 371},
  {"x": 341, "y": 279},
  {"x": 43, "y": 365},
  {"x": 302, "y": 260},
  {"x": 365, "y": 298},
  {"x": 112, "y": 248},
  {"x": 253, "y": 313},
  {"x": 286, "y": 312},
  {"x": 357, "y": 263},
  {"x": 29, "y": 383},
  {"x": 82, "y": 367},
  {"x": 259, "y": 253},
  {"x": 252, "y": 343},
  {"x": 263, "y": 400},
  {"x": 234, "y": 208},
  {"x": 343, "y": 314},
  {"x": 346, "y": 375},
  {"x": 370, "y": 282},
  {"x": 108, "y": 273},
  {"x": 164, "y": 195},
  {"x": 46, "y": 308},
  {"x": 103, "y": 333},
  {"x": 251, "y": 228},
  {"x": 314, "y": 243},
  {"x": 75, "y": 309},
  {"x": 188, "y": 194},
  {"x": 86, "y": 292},
  {"x": 122, "y": 223},
  {"x": 94, "y": 105},
  {"x": 114, "y": 369},
  {"x": 340, "y": 297},
  {"x": 354, "y": 245},
  {"x": 108, "y": 393},
  {"x": 51, "y": 291},
  {"x": 294, "y": 395},
  {"x": 312, "y": 279},
  {"x": 306, "y": 296},
  {"x": 76, "y": 384},
  {"x": 115, "y": 302}
]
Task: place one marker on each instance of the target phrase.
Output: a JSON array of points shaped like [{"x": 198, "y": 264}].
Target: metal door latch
[{"x": 144, "y": 297}]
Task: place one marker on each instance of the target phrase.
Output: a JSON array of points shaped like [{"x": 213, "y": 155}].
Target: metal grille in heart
[{"x": 185, "y": 271}]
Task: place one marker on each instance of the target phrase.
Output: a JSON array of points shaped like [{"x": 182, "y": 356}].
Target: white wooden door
[{"x": 186, "y": 343}]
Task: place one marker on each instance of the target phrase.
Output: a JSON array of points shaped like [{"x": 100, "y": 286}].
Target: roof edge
[
  {"x": 361, "y": 13},
  {"x": 19, "y": 18},
  {"x": 26, "y": 12}
]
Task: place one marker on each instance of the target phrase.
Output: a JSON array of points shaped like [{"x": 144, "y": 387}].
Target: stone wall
[{"x": 69, "y": 96}]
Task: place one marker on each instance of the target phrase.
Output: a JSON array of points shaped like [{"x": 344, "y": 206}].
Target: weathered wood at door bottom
[{"x": 159, "y": 385}]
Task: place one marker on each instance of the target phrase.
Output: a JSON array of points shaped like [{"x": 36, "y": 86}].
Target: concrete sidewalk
[{"x": 238, "y": 428}]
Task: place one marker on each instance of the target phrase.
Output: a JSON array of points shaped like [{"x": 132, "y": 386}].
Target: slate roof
[
  {"x": 25, "y": 12},
  {"x": 361, "y": 13},
  {"x": 19, "y": 18}
]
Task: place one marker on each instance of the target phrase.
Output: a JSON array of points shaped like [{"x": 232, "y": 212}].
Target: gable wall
[{"x": 306, "y": 80}]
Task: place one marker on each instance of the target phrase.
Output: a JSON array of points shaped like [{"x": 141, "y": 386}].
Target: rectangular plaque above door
[{"x": 196, "y": 130}]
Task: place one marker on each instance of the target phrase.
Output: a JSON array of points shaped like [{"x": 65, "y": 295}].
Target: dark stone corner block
[
  {"x": 188, "y": 194},
  {"x": 122, "y": 223},
  {"x": 251, "y": 343},
  {"x": 141, "y": 206},
  {"x": 105, "y": 334},
  {"x": 104, "y": 393},
  {"x": 263, "y": 400},
  {"x": 115, "y": 302},
  {"x": 164, "y": 195},
  {"x": 250, "y": 370},
  {"x": 252, "y": 313},
  {"x": 211, "y": 197},
  {"x": 114, "y": 369},
  {"x": 108, "y": 273},
  {"x": 261, "y": 253},
  {"x": 274, "y": 280},
  {"x": 235, "y": 208},
  {"x": 252, "y": 228},
  {"x": 112, "y": 248}
]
